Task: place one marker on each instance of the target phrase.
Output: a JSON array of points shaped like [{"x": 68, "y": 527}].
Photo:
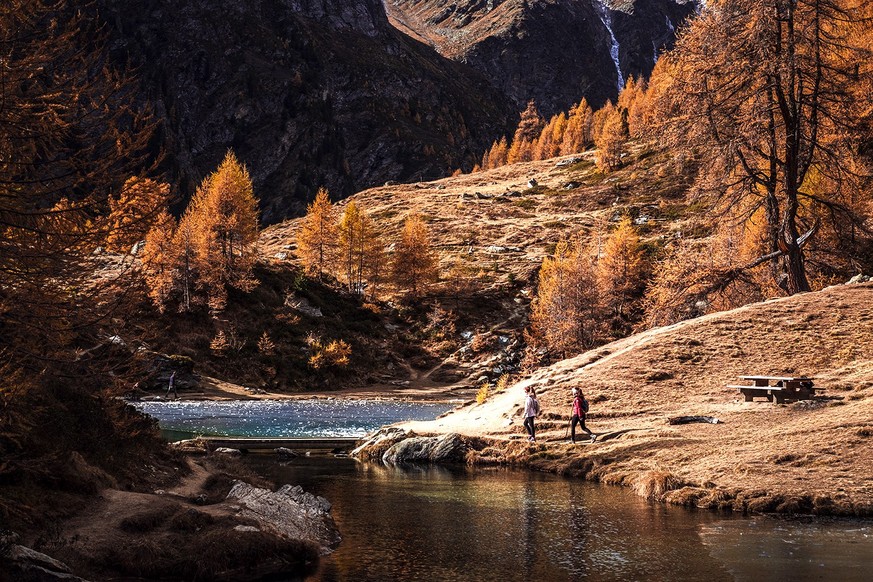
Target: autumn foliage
[{"x": 212, "y": 248}]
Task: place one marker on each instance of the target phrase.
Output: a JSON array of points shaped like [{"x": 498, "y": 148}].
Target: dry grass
[{"x": 809, "y": 456}]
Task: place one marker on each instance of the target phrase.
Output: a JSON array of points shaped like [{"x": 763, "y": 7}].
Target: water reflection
[
  {"x": 417, "y": 523},
  {"x": 454, "y": 524}
]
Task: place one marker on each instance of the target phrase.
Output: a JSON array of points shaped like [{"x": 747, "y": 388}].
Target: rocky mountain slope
[
  {"x": 309, "y": 93},
  {"x": 552, "y": 51},
  {"x": 313, "y": 93},
  {"x": 806, "y": 456}
]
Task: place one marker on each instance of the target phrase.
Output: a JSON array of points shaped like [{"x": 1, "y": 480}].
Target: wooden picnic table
[{"x": 778, "y": 388}]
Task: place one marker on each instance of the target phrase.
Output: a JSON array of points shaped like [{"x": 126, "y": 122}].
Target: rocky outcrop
[
  {"x": 289, "y": 512},
  {"x": 309, "y": 93},
  {"x": 23, "y": 564},
  {"x": 552, "y": 51},
  {"x": 447, "y": 448}
]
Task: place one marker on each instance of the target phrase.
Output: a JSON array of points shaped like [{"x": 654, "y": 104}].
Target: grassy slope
[
  {"x": 806, "y": 456},
  {"x": 499, "y": 229}
]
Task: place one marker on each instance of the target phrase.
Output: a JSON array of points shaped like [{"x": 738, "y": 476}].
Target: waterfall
[{"x": 606, "y": 19}]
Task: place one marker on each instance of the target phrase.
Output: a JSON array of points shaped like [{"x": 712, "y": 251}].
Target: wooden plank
[
  {"x": 783, "y": 378},
  {"x": 757, "y": 388}
]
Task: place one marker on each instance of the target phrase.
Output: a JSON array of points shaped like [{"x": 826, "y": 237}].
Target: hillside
[
  {"x": 491, "y": 230},
  {"x": 808, "y": 456}
]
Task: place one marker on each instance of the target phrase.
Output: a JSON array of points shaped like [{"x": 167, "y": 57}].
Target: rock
[
  {"x": 448, "y": 448},
  {"x": 859, "y": 278},
  {"x": 532, "y": 183},
  {"x": 571, "y": 185},
  {"x": 568, "y": 162},
  {"x": 281, "y": 256},
  {"x": 318, "y": 76},
  {"x": 494, "y": 249},
  {"x": 227, "y": 451},
  {"x": 23, "y": 564},
  {"x": 303, "y": 305},
  {"x": 289, "y": 512},
  {"x": 285, "y": 453},
  {"x": 137, "y": 247},
  {"x": 374, "y": 445},
  {"x": 691, "y": 419}
]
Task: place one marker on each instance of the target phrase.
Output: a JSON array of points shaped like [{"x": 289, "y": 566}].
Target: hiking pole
[{"x": 567, "y": 430}]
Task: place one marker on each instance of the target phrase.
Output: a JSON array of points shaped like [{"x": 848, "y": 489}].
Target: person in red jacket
[{"x": 580, "y": 408}]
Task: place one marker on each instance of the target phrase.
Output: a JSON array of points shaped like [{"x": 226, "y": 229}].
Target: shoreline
[{"x": 214, "y": 390}]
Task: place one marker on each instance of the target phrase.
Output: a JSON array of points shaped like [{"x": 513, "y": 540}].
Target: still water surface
[{"x": 442, "y": 523}]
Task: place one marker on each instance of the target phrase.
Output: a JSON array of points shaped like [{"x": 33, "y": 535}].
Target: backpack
[
  {"x": 584, "y": 405},
  {"x": 536, "y": 407}
]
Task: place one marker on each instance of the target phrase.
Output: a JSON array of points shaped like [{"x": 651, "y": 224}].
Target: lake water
[
  {"x": 285, "y": 418},
  {"x": 451, "y": 524}
]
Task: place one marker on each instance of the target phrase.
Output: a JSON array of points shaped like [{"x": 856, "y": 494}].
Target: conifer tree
[
  {"x": 563, "y": 315},
  {"x": 610, "y": 141},
  {"x": 762, "y": 92},
  {"x": 621, "y": 269},
  {"x": 415, "y": 263},
  {"x": 225, "y": 231},
  {"x": 316, "y": 241},
  {"x": 186, "y": 258},
  {"x": 71, "y": 131},
  {"x": 160, "y": 260},
  {"x": 358, "y": 243},
  {"x": 578, "y": 134},
  {"x": 132, "y": 211}
]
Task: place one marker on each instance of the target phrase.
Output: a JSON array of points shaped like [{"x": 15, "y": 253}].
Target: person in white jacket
[{"x": 531, "y": 410}]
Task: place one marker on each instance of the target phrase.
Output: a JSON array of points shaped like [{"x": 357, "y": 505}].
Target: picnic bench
[{"x": 778, "y": 388}]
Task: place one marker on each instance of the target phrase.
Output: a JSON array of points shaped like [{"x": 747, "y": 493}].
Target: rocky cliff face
[
  {"x": 552, "y": 51},
  {"x": 308, "y": 93}
]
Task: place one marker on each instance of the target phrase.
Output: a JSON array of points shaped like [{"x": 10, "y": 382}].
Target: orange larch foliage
[
  {"x": 316, "y": 241},
  {"x": 414, "y": 265},
  {"x": 132, "y": 211}
]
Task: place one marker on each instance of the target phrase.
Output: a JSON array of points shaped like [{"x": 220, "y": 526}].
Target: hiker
[
  {"x": 580, "y": 408},
  {"x": 531, "y": 411},
  {"x": 172, "y": 386}
]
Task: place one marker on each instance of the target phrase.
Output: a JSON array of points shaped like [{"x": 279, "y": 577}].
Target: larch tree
[
  {"x": 549, "y": 143},
  {"x": 226, "y": 231},
  {"x": 530, "y": 126},
  {"x": 415, "y": 264},
  {"x": 71, "y": 131},
  {"x": 159, "y": 259},
  {"x": 762, "y": 92},
  {"x": 316, "y": 241},
  {"x": 131, "y": 213},
  {"x": 621, "y": 268},
  {"x": 358, "y": 243},
  {"x": 578, "y": 133},
  {"x": 564, "y": 313},
  {"x": 609, "y": 141}
]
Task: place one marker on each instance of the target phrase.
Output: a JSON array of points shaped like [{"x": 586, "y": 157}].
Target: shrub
[{"x": 482, "y": 395}]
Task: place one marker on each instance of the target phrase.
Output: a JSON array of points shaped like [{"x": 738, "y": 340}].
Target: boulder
[
  {"x": 448, "y": 448},
  {"x": 227, "y": 451},
  {"x": 373, "y": 446},
  {"x": 23, "y": 564},
  {"x": 290, "y": 512}
]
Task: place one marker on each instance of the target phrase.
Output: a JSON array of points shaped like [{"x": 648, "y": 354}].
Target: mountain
[
  {"x": 345, "y": 95},
  {"x": 309, "y": 93},
  {"x": 551, "y": 51}
]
